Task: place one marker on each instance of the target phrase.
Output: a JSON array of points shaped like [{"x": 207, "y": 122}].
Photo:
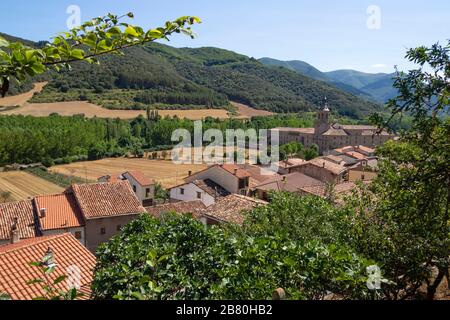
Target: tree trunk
[{"x": 431, "y": 289}]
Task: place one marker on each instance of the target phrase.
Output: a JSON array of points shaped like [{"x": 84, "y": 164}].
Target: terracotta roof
[
  {"x": 335, "y": 132},
  {"x": 178, "y": 207},
  {"x": 366, "y": 149},
  {"x": 297, "y": 130},
  {"x": 356, "y": 155},
  {"x": 62, "y": 211},
  {"x": 140, "y": 177},
  {"x": 229, "y": 209},
  {"x": 236, "y": 170},
  {"x": 345, "y": 149},
  {"x": 211, "y": 188},
  {"x": 106, "y": 199},
  {"x": 15, "y": 270},
  {"x": 327, "y": 165},
  {"x": 291, "y": 182},
  {"x": 320, "y": 191},
  {"x": 335, "y": 159},
  {"x": 23, "y": 211},
  {"x": 358, "y": 127}
]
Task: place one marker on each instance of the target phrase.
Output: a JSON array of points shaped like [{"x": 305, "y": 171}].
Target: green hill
[{"x": 161, "y": 76}]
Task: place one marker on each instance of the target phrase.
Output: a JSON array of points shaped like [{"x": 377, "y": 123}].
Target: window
[
  {"x": 147, "y": 192},
  {"x": 78, "y": 235},
  {"x": 181, "y": 191},
  {"x": 199, "y": 195},
  {"x": 119, "y": 227},
  {"x": 103, "y": 231},
  {"x": 134, "y": 188},
  {"x": 243, "y": 183}
]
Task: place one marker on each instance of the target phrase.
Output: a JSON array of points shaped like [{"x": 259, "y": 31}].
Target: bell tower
[{"x": 322, "y": 122}]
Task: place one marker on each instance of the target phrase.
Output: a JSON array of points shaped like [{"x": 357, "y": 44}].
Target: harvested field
[
  {"x": 164, "y": 172},
  {"x": 23, "y": 185},
  {"x": 248, "y": 112},
  {"x": 91, "y": 110},
  {"x": 21, "y": 99}
]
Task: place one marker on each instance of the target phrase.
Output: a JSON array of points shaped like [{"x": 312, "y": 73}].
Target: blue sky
[{"x": 328, "y": 34}]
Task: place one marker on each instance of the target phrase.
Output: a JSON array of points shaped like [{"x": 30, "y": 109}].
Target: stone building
[{"x": 329, "y": 136}]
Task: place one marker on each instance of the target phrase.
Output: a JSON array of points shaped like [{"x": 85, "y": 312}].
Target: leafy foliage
[
  {"x": 404, "y": 223},
  {"x": 178, "y": 258},
  {"x": 102, "y": 35}
]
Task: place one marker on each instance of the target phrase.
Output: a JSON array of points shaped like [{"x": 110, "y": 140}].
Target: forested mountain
[
  {"x": 376, "y": 87},
  {"x": 161, "y": 76}
]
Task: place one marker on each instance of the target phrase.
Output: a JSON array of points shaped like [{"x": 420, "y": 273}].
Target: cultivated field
[
  {"x": 91, "y": 110},
  {"x": 248, "y": 112},
  {"x": 164, "y": 172},
  {"x": 21, "y": 99},
  {"x": 23, "y": 185}
]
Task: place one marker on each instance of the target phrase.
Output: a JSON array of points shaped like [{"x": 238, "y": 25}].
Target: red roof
[
  {"x": 106, "y": 199},
  {"x": 15, "y": 270},
  {"x": 141, "y": 178},
  {"x": 229, "y": 209},
  {"x": 23, "y": 211},
  {"x": 62, "y": 211},
  {"x": 236, "y": 170}
]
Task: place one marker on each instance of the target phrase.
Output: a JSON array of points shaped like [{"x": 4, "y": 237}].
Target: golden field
[
  {"x": 164, "y": 172},
  {"x": 23, "y": 185}
]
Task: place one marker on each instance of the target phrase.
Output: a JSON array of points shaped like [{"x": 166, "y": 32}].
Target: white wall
[
  {"x": 220, "y": 176},
  {"x": 190, "y": 194},
  {"x": 140, "y": 191}
]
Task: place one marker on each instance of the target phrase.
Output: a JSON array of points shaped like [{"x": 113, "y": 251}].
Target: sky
[{"x": 370, "y": 36}]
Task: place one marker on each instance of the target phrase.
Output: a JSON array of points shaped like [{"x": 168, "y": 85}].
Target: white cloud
[{"x": 379, "y": 66}]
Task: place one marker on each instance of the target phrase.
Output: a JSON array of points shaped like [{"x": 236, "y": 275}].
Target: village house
[
  {"x": 143, "y": 187},
  {"x": 219, "y": 181},
  {"x": 92, "y": 213},
  {"x": 329, "y": 136},
  {"x": 229, "y": 210},
  {"x": 334, "y": 193},
  {"x": 323, "y": 169},
  {"x": 206, "y": 191},
  {"x": 68, "y": 256},
  {"x": 291, "y": 182}
]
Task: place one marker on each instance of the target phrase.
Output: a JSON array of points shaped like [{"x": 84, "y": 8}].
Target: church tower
[{"x": 322, "y": 122}]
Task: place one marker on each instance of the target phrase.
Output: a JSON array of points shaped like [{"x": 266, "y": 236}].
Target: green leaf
[
  {"x": 3, "y": 42},
  {"x": 60, "y": 279},
  {"x": 131, "y": 31},
  {"x": 77, "y": 54}
]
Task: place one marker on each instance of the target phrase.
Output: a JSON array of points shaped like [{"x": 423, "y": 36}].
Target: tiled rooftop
[
  {"x": 229, "y": 209},
  {"x": 141, "y": 178},
  {"x": 23, "y": 211},
  {"x": 15, "y": 270},
  {"x": 62, "y": 211},
  {"x": 211, "y": 188},
  {"x": 291, "y": 182},
  {"x": 106, "y": 199}
]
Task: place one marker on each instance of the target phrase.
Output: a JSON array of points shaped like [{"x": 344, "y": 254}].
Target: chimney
[
  {"x": 190, "y": 173},
  {"x": 43, "y": 212},
  {"x": 284, "y": 179},
  {"x": 235, "y": 172},
  {"x": 15, "y": 238},
  {"x": 323, "y": 165}
]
